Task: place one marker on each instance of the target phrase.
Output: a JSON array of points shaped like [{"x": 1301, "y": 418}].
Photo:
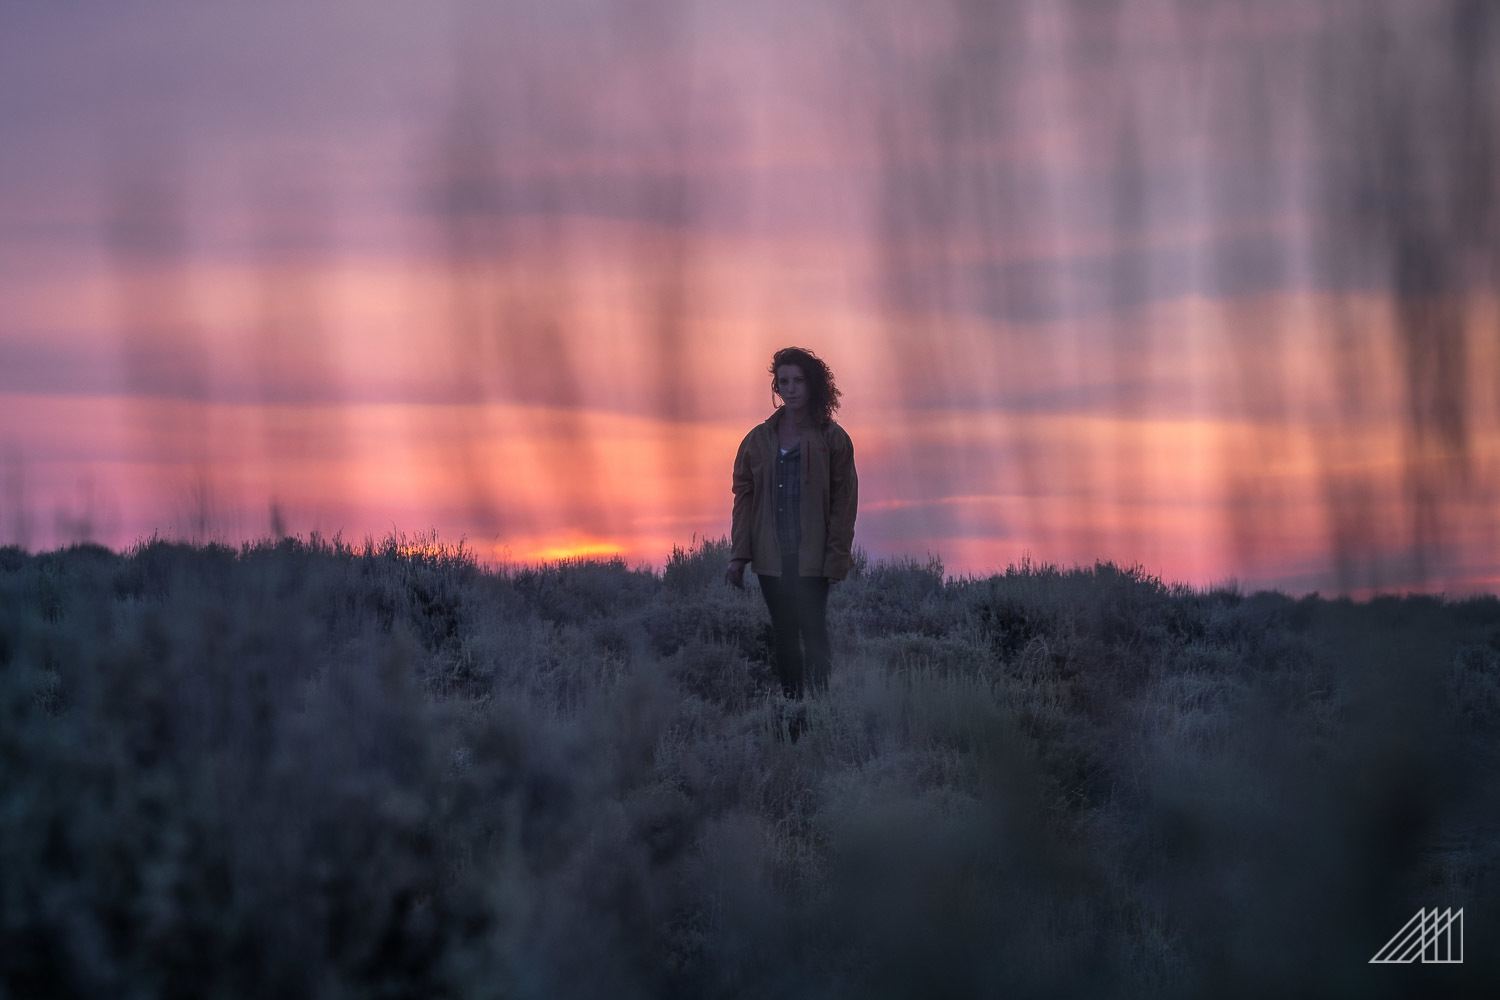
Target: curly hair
[{"x": 824, "y": 393}]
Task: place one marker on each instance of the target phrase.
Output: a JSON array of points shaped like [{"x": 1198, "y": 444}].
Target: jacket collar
[{"x": 814, "y": 439}]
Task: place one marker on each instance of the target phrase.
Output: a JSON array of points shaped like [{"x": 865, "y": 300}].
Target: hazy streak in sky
[{"x": 1208, "y": 286}]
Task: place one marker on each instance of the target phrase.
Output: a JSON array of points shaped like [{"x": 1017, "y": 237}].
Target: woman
[{"x": 795, "y": 494}]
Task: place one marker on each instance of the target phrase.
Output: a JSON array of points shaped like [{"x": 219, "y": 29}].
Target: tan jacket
[{"x": 830, "y": 494}]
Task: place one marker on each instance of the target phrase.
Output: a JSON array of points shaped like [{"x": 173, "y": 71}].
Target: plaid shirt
[{"x": 789, "y": 500}]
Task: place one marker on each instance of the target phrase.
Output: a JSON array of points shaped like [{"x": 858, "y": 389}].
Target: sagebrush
[{"x": 302, "y": 768}]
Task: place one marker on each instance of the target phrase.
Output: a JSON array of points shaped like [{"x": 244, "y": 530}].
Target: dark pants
[{"x": 799, "y": 617}]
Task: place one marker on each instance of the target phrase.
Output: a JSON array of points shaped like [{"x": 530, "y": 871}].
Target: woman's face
[{"x": 791, "y": 386}]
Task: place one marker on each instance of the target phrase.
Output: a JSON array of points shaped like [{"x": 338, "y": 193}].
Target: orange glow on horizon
[{"x": 562, "y": 549}]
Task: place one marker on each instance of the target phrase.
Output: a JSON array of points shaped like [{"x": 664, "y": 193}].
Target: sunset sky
[{"x": 514, "y": 271}]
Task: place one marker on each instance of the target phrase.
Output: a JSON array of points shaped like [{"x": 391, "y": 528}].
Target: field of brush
[{"x": 302, "y": 769}]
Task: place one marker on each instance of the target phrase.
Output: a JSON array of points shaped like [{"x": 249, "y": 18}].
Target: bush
[
  {"x": 697, "y": 568},
  {"x": 302, "y": 768}
]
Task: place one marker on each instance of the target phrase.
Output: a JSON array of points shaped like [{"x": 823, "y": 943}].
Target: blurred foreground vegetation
[{"x": 303, "y": 768}]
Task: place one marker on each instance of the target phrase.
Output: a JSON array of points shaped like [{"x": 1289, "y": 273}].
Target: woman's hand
[{"x": 735, "y": 574}]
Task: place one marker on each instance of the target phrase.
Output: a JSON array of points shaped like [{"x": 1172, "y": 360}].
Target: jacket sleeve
[
  {"x": 843, "y": 500},
  {"x": 744, "y": 503}
]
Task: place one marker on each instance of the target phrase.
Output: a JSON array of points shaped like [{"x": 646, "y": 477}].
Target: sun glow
[{"x": 566, "y": 549}]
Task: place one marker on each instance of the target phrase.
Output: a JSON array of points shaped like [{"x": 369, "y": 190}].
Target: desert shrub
[
  {"x": 583, "y": 589},
  {"x": 905, "y": 577},
  {"x": 12, "y": 558},
  {"x": 306, "y": 768},
  {"x": 900, "y": 595},
  {"x": 721, "y": 616},
  {"x": 220, "y": 826},
  {"x": 435, "y": 603},
  {"x": 1008, "y": 622},
  {"x": 1118, "y": 605},
  {"x": 718, "y": 673},
  {"x": 1478, "y": 610},
  {"x": 944, "y": 655},
  {"x": 1475, "y": 683},
  {"x": 859, "y": 563},
  {"x": 618, "y": 638},
  {"x": 698, "y": 567}
]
